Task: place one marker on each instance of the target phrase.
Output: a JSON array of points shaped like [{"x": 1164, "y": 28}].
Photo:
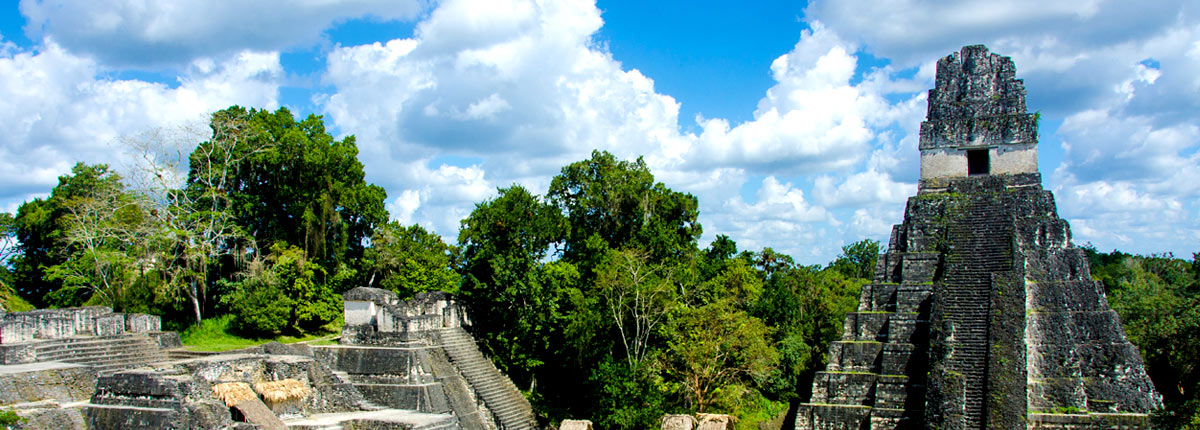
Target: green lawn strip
[{"x": 215, "y": 335}]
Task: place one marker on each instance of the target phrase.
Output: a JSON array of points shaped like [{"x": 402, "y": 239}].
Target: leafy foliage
[
  {"x": 410, "y": 260},
  {"x": 619, "y": 202},
  {"x": 9, "y": 418},
  {"x": 516, "y": 298},
  {"x": 187, "y": 196},
  {"x": 718, "y": 352},
  {"x": 285, "y": 292},
  {"x": 296, "y": 184},
  {"x": 1158, "y": 299},
  {"x": 41, "y": 228},
  {"x": 106, "y": 235},
  {"x": 857, "y": 260},
  {"x": 806, "y": 306},
  {"x": 631, "y": 316}
]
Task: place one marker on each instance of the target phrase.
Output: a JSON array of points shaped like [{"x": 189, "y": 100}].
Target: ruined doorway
[{"x": 977, "y": 162}]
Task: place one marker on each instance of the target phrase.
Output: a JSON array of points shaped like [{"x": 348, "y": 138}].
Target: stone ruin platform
[
  {"x": 91, "y": 336},
  {"x": 385, "y": 419},
  {"x": 401, "y": 365}
]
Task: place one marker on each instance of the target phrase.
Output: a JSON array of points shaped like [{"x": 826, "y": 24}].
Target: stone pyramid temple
[{"x": 981, "y": 314}]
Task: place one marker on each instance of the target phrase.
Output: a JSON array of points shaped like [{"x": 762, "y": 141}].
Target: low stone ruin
[
  {"x": 378, "y": 317},
  {"x": 699, "y": 422},
  {"x": 49, "y": 324},
  {"x": 678, "y": 422},
  {"x": 416, "y": 354},
  {"x": 92, "y": 336},
  {"x": 50, "y": 360},
  {"x": 401, "y": 365},
  {"x": 575, "y": 425}
]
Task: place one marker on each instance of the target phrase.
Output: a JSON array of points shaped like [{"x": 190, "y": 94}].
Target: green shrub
[
  {"x": 260, "y": 308},
  {"x": 8, "y": 419}
]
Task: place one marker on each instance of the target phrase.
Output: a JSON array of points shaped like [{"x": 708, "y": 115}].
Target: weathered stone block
[
  {"x": 61, "y": 382},
  {"x": 167, "y": 339},
  {"x": 715, "y": 422},
  {"x": 50, "y": 415},
  {"x": 877, "y": 297},
  {"x": 387, "y": 361},
  {"x": 110, "y": 325},
  {"x": 913, "y": 298},
  {"x": 908, "y": 327},
  {"x": 854, "y": 356},
  {"x": 18, "y": 353},
  {"x": 1075, "y": 327},
  {"x": 843, "y": 387},
  {"x": 865, "y": 326},
  {"x": 902, "y": 359},
  {"x": 587, "y": 425},
  {"x": 887, "y": 266},
  {"x": 832, "y": 417},
  {"x": 669, "y": 422},
  {"x": 142, "y": 323},
  {"x": 918, "y": 267},
  {"x": 1050, "y": 394},
  {"x": 1069, "y": 296},
  {"x": 891, "y": 392}
]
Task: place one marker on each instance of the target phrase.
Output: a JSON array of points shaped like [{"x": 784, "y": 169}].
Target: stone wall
[
  {"x": 181, "y": 395},
  {"x": 60, "y": 382},
  {"x": 46, "y": 324},
  {"x": 378, "y": 316}
]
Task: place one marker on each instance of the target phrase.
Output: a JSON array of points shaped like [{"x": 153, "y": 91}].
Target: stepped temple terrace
[
  {"x": 982, "y": 314},
  {"x": 400, "y": 365}
]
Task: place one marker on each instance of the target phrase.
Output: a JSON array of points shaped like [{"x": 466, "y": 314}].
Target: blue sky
[{"x": 794, "y": 123}]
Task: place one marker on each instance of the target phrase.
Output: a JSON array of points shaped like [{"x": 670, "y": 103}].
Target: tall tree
[
  {"x": 107, "y": 238},
  {"x": 187, "y": 194},
  {"x": 8, "y": 237},
  {"x": 40, "y": 229},
  {"x": 9, "y": 248},
  {"x": 516, "y": 298},
  {"x": 806, "y": 306},
  {"x": 719, "y": 349},
  {"x": 619, "y": 203},
  {"x": 410, "y": 260},
  {"x": 303, "y": 187},
  {"x": 857, "y": 259},
  {"x": 638, "y": 295}
]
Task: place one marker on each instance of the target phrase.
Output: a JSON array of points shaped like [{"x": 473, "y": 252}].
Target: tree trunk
[{"x": 195, "y": 302}]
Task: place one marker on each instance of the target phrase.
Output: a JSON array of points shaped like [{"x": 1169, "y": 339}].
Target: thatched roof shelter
[{"x": 282, "y": 390}]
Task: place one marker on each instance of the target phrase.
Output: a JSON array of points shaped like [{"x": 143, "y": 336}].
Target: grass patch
[
  {"x": 11, "y": 301},
  {"x": 215, "y": 334}
]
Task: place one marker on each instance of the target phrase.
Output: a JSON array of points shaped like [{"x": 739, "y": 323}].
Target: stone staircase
[
  {"x": 980, "y": 245},
  {"x": 107, "y": 354},
  {"x": 511, "y": 410}
]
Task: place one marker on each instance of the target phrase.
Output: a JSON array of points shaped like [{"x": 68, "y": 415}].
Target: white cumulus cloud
[{"x": 173, "y": 33}]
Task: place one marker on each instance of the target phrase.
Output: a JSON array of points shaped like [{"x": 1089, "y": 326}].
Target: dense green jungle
[{"x": 593, "y": 296}]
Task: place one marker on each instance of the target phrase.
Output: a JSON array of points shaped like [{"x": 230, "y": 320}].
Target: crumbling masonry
[
  {"x": 400, "y": 365},
  {"x": 982, "y": 314}
]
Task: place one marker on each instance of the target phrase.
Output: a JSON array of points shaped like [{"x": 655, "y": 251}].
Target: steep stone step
[
  {"x": 511, "y": 409},
  {"x": 106, "y": 354}
]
